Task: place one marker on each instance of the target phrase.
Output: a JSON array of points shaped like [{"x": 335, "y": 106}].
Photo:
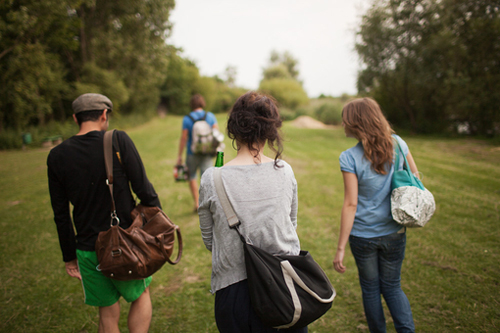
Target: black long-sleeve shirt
[{"x": 77, "y": 175}]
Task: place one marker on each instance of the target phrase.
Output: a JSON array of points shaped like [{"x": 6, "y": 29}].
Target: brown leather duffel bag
[{"x": 140, "y": 250}]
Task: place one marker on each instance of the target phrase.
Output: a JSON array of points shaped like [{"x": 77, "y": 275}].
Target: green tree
[
  {"x": 52, "y": 50},
  {"x": 287, "y": 60},
  {"x": 128, "y": 37},
  {"x": 278, "y": 71},
  {"x": 432, "y": 64},
  {"x": 184, "y": 80},
  {"x": 280, "y": 80},
  {"x": 288, "y": 92},
  {"x": 179, "y": 84},
  {"x": 230, "y": 76},
  {"x": 32, "y": 75}
]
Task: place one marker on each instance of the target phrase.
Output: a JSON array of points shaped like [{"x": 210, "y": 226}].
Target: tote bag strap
[
  {"x": 397, "y": 151},
  {"x": 231, "y": 217}
]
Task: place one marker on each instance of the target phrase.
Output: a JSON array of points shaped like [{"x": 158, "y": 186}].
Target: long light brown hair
[{"x": 364, "y": 119}]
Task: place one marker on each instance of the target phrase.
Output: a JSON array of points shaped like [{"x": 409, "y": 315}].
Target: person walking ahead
[
  {"x": 77, "y": 175},
  {"x": 377, "y": 242},
  {"x": 194, "y": 161},
  {"x": 263, "y": 193}
]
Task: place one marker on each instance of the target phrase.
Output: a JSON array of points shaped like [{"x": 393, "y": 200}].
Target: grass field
[{"x": 451, "y": 273}]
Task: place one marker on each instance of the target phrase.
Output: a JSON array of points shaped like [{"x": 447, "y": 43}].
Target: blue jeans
[{"x": 379, "y": 263}]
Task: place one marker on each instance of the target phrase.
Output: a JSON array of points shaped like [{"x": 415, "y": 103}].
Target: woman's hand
[{"x": 338, "y": 261}]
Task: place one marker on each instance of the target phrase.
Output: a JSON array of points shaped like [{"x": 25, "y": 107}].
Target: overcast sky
[{"x": 242, "y": 33}]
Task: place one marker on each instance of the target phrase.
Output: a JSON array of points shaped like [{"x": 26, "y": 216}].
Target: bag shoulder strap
[
  {"x": 108, "y": 160},
  {"x": 397, "y": 151},
  {"x": 195, "y": 120},
  {"x": 231, "y": 217},
  {"x": 108, "y": 155}
]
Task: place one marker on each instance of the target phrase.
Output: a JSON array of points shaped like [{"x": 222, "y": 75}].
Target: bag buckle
[
  {"x": 235, "y": 225},
  {"x": 116, "y": 253},
  {"x": 114, "y": 217}
]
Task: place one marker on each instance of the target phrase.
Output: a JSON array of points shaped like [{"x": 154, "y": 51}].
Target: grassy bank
[{"x": 451, "y": 272}]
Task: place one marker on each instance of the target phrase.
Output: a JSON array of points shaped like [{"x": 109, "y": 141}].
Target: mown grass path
[{"x": 451, "y": 273}]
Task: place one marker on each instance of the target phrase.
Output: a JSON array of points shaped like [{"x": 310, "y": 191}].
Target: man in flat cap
[{"x": 77, "y": 175}]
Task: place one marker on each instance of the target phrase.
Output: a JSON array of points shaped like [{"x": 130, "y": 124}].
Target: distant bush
[
  {"x": 288, "y": 92},
  {"x": 218, "y": 95},
  {"x": 289, "y": 114},
  {"x": 10, "y": 139},
  {"x": 330, "y": 112},
  {"x": 13, "y": 139}
]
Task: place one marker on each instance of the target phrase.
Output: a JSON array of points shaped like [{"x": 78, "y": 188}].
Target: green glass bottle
[{"x": 220, "y": 159}]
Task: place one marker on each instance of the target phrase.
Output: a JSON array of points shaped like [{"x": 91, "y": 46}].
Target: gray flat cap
[{"x": 90, "y": 102}]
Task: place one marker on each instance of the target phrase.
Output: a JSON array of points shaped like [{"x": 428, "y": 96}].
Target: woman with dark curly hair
[{"x": 263, "y": 193}]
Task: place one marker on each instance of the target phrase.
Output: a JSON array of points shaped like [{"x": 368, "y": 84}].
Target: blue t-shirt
[
  {"x": 187, "y": 123},
  {"x": 373, "y": 215}
]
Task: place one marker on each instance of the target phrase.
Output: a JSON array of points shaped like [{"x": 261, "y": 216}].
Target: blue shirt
[
  {"x": 187, "y": 123},
  {"x": 373, "y": 215}
]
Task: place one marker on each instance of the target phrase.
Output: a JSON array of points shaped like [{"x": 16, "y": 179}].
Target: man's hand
[{"x": 72, "y": 269}]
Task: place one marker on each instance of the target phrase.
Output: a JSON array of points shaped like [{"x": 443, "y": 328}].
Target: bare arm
[
  {"x": 347, "y": 218},
  {"x": 182, "y": 145},
  {"x": 413, "y": 165}
]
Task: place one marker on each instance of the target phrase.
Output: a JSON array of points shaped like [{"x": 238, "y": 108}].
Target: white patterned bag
[{"x": 412, "y": 205}]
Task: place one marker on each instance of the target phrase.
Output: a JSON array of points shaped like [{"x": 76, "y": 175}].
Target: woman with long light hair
[{"x": 377, "y": 242}]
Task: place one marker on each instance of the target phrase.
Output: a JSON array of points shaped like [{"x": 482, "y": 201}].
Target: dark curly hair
[{"x": 255, "y": 119}]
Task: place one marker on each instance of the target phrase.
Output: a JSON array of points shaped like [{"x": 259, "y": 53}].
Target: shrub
[
  {"x": 330, "y": 113},
  {"x": 10, "y": 139},
  {"x": 288, "y": 92}
]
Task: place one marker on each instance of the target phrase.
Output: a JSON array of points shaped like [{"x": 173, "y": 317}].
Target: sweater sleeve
[
  {"x": 135, "y": 171},
  {"x": 204, "y": 212},
  {"x": 295, "y": 202},
  {"x": 60, "y": 206}
]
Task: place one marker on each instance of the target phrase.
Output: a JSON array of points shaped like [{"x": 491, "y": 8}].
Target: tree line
[
  {"x": 433, "y": 65},
  {"x": 52, "y": 51}
]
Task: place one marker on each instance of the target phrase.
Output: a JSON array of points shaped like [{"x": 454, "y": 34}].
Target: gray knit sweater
[{"x": 265, "y": 201}]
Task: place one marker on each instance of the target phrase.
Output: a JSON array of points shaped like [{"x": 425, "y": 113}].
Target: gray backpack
[{"x": 205, "y": 139}]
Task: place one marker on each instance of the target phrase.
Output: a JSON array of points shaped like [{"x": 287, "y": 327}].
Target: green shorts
[{"x": 100, "y": 290}]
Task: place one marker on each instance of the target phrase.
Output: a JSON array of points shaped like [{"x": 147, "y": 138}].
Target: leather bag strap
[
  {"x": 179, "y": 242},
  {"x": 108, "y": 160},
  {"x": 231, "y": 217}
]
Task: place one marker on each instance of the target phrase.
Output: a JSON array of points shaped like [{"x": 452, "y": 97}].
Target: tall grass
[{"x": 450, "y": 274}]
